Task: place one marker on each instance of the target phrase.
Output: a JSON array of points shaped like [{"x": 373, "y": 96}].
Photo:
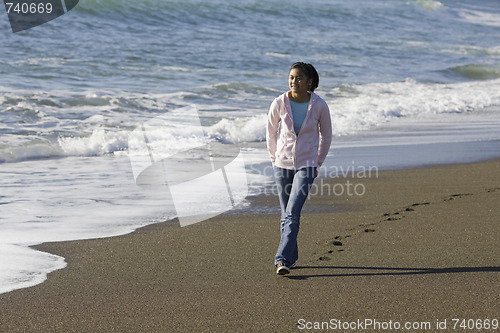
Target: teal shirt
[{"x": 299, "y": 111}]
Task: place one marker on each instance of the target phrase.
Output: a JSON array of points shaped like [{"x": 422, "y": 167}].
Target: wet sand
[{"x": 419, "y": 246}]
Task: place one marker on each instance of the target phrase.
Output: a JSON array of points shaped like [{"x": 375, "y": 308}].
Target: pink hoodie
[{"x": 307, "y": 149}]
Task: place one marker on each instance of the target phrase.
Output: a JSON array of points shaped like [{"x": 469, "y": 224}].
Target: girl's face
[{"x": 299, "y": 83}]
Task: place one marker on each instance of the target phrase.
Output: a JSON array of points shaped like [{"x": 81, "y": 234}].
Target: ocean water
[{"x": 396, "y": 74}]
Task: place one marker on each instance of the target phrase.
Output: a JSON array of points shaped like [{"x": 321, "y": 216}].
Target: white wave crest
[
  {"x": 361, "y": 107},
  {"x": 99, "y": 143},
  {"x": 354, "y": 108},
  {"x": 239, "y": 130},
  {"x": 480, "y": 17},
  {"x": 430, "y": 5}
]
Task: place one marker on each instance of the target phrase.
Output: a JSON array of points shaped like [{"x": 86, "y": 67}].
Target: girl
[{"x": 299, "y": 134}]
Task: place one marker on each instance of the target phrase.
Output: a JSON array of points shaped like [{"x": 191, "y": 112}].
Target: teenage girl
[{"x": 299, "y": 134}]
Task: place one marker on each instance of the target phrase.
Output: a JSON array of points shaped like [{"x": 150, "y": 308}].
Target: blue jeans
[{"x": 293, "y": 188}]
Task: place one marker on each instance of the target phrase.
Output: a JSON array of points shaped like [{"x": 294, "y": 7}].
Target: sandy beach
[{"x": 419, "y": 247}]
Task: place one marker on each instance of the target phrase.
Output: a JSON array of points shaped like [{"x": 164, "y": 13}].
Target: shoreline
[
  {"x": 408, "y": 243},
  {"x": 343, "y": 162}
]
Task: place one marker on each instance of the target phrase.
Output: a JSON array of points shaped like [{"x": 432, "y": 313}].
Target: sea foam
[
  {"x": 22, "y": 267},
  {"x": 354, "y": 108}
]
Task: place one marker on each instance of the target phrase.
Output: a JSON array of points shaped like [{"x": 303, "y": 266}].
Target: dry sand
[{"x": 420, "y": 246}]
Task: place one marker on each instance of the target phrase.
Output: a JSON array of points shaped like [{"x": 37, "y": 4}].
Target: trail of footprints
[{"x": 337, "y": 243}]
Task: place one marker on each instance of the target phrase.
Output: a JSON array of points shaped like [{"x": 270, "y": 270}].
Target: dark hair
[{"x": 309, "y": 71}]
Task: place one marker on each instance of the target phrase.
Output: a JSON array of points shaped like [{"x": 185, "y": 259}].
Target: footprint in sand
[
  {"x": 454, "y": 196},
  {"x": 420, "y": 204}
]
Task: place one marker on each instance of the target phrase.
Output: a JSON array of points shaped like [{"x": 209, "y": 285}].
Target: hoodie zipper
[{"x": 300, "y": 130}]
